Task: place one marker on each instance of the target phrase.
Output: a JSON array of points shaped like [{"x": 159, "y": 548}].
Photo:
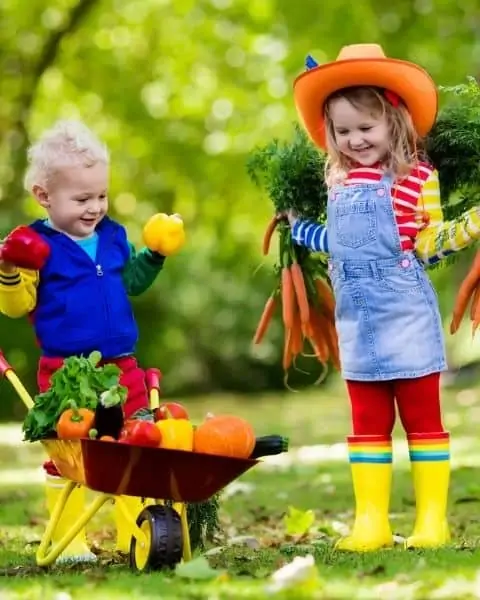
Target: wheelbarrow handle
[
  {"x": 6, "y": 370},
  {"x": 4, "y": 364},
  {"x": 152, "y": 379}
]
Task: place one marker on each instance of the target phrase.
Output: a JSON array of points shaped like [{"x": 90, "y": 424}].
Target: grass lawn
[{"x": 255, "y": 542}]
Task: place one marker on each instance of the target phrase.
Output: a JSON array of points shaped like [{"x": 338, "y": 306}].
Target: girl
[{"x": 384, "y": 219}]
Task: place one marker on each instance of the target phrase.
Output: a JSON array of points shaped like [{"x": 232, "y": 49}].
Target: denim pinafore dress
[{"x": 387, "y": 315}]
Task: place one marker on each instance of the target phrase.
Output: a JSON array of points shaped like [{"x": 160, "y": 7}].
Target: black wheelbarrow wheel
[{"x": 163, "y": 546}]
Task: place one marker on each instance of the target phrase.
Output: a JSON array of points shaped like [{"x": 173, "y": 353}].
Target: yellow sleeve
[
  {"x": 442, "y": 238},
  {"x": 18, "y": 292}
]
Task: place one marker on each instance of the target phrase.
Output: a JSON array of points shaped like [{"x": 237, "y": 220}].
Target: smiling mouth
[{"x": 364, "y": 149}]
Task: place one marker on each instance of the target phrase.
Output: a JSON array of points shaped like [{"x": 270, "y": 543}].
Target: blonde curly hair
[
  {"x": 66, "y": 144},
  {"x": 406, "y": 147}
]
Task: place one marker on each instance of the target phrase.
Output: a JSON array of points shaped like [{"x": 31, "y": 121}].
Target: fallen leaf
[{"x": 298, "y": 522}]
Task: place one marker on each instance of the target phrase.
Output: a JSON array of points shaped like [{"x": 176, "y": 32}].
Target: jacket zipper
[{"x": 101, "y": 286}]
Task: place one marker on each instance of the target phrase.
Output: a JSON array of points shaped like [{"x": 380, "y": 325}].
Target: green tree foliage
[{"x": 182, "y": 91}]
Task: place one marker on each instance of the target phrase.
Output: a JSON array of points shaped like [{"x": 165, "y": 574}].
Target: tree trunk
[{"x": 17, "y": 139}]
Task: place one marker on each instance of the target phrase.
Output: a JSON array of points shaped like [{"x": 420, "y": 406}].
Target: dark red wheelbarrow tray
[{"x": 123, "y": 469}]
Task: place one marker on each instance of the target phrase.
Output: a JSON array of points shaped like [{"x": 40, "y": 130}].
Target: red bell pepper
[{"x": 25, "y": 248}]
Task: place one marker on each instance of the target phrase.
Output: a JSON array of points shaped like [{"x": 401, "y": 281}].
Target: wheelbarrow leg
[
  {"x": 181, "y": 508},
  {"x": 47, "y": 554},
  {"x": 126, "y": 510},
  {"x": 123, "y": 507},
  {"x": 77, "y": 550}
]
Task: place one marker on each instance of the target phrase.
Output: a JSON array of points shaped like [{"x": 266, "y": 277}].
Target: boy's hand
[
  {"x": 164, "y": 234},
  {"x": 5, "y": 266},
  {"x": 23, "y": 248}
]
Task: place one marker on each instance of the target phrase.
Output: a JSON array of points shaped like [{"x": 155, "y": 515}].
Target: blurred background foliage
[{"x": 182, "y": 91}]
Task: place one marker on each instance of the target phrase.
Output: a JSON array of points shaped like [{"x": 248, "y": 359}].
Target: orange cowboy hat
[{"x": 358, "y": 65}]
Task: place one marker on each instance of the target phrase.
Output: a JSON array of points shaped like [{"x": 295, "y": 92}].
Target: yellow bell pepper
[
  {"x": 177, "y": 434},
  {"x": 164, "y": 234}
]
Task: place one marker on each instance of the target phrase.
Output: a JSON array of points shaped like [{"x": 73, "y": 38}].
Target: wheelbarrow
[{"x": 164, "y": 479}]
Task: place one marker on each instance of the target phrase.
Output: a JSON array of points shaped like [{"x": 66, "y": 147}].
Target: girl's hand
[{"x": 290, "y": 215}]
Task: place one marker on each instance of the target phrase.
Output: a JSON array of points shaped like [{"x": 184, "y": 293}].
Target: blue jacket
[{"x": 82, "y": 305}]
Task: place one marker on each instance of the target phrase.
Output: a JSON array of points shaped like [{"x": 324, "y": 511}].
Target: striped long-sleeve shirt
[{"x": 418, "y": 212}]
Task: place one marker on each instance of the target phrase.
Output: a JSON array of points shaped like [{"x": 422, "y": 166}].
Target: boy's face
[{"x": 76, "y": 199}]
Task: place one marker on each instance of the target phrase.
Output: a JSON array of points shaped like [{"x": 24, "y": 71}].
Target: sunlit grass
[{"x": 314, "y": 475}]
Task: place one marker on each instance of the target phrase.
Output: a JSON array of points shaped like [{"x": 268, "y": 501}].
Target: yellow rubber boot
[
  {"x": 371, "y": 464},
  {"x": 77, "y": 550},
  {"x": 430, "y": 460},
  {"x": 124, "y": 532}
]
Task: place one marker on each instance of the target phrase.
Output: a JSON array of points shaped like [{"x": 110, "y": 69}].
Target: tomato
[
  {"x": 107, "y": 438},
  {"x": 140, "y": 433},
  {"x": 170, "y": 410}
]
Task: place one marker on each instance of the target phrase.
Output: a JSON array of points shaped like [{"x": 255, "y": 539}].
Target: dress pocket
[
  {"x": 355, "y": 223},
  {"x": 401, "y": 279}
]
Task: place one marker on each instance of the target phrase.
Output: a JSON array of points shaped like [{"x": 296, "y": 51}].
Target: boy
[{"x": 78, "y": 300}]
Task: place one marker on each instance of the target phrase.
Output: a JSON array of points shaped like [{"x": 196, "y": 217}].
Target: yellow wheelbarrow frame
[
  {"x": 156, "y": 475},
  {"x": 46, "y": 553}
]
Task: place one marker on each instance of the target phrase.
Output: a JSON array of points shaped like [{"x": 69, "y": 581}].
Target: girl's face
[{"x": 359, "y": 134}]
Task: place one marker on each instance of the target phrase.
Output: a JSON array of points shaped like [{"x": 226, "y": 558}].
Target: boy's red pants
[
  {"x": 133, "y": 378},
  {"x": 418, "y": 403}
]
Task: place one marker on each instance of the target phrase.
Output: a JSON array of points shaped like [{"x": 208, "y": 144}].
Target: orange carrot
[
  {"x": 300, "y": 292},
  {"x": 307, "y": 329},
  {"x": 476, "y": 314},
  {"x": 475, "y": 299},
  {"x": 320, "y": 347},
  {"x": 324, "y": 292},
  {"x": 288, "y": 298},
  {"x": 317, "y": 338},
  {"x": 265, "y": 319},
  {"x": 325, "y": 327},
  {"x": 297, "y": 336},
  {"x": 332, "y": 342},
  {"x": 464, "y": 293},
  {"x": 287, "y": 350},
  {"x": 272, "y": 224}
]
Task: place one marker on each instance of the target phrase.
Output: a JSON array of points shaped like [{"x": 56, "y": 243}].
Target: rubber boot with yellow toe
[
  {"x": 134, "y": 507},
  {"x": 371, "y": 464},
  {"x": 77, "y": 550},
  {"x": 430, "y": 460}
]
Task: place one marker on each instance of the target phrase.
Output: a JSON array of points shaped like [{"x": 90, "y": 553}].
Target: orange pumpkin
[{"x": 225, "y": 435}]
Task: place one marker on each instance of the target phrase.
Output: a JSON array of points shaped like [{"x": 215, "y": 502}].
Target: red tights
[{"x": 418, "y": 402}]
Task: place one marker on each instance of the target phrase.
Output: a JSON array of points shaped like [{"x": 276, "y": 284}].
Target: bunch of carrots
[
  {"x": 305, "y": 299},
  {"x": 468, "y": 293}
]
